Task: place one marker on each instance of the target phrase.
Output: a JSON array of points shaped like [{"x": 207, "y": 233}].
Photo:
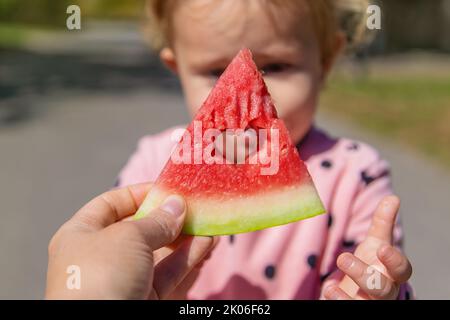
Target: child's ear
[
  {"x": 167, "y": 56},
  {"x": 339, "y": 46}
]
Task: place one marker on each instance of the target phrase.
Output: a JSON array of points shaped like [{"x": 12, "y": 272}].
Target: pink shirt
[{"x": 297, "y": 260}]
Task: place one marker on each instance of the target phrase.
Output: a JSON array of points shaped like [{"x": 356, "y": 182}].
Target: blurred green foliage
[
  {"x": 52, "y": 13},
  {"x": 117, "y": 9},
  {"x": 12, "y": 36},
  {"x": 44, "y": 12},
  {"x": 414, "y": 110}
]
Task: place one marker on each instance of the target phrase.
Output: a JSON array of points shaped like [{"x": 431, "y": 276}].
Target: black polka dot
[
  {"x": 312, "y": 260},
  {"x": 407, "y": 295},
  {"x": 353, "y": 147},
  {"x": 269, "y": 272},
  {"x": 231, "y": 238},
  {"x": 348, "y": 243},
  {"x": 330, "y": 220},
  {"x": 366, "y": 178},
  {"x": 117, "y": 183},
  {"x": 326, "y": 164},
  {"x": 369, "y": 179}
]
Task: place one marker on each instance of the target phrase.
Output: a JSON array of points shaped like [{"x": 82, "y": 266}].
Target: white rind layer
[{"x": 237, "y": 214}]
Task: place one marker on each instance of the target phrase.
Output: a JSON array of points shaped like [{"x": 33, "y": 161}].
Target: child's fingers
[
  {"x": 396, "y": 263},
  {"x": 383, "y": 220},
  {"x": 171, "y": 271},
  {"x": 333, "y": 292},
  {"x": 368, "y": 278}
]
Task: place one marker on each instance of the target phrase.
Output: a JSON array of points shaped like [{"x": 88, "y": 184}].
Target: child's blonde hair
[{"x": 329, "y": 16}]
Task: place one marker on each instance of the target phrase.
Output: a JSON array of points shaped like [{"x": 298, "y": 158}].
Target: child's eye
[
  {"x": 269, "y": 68},
  {"x": 275, "y": 68}
]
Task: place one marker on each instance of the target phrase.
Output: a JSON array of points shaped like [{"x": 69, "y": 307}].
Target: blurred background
[{"x": 74, "y": 103}]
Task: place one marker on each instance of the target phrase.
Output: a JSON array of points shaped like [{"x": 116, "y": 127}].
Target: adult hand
[{"x": 112, "y": 255}]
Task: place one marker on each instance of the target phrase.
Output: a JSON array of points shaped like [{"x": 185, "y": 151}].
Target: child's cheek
[
  {"x": 293, "y": 94},
  {"x": 295, "y": 97},
  {"x": 196, "y": 89}
]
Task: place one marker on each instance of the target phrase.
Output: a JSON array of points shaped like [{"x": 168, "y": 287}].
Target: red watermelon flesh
[{"x": 267, "y": 187}]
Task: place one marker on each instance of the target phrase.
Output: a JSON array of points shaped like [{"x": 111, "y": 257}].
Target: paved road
[{"x": 71, "y": 114}]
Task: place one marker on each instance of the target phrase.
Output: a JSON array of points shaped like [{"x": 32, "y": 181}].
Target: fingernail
[
  {"x": 389, "y": 204},
  {"x": 387, "y": 207},
  {"x": 174, "y": 205},
  {"x": 346, "y": 262}
]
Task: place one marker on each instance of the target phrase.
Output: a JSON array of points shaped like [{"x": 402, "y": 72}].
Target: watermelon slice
[{"x": 268, "y": 186}]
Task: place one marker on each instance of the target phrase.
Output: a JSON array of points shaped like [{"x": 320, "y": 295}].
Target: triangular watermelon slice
[{"x": 266, "y": 186}]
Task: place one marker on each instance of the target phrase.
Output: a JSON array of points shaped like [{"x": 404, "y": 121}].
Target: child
[{"x": 295, "y": 44}]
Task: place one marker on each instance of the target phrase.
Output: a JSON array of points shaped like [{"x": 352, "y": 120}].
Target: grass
[
  {"x": 414, "y": 110},
  {"x": 12, "y": 35},
  {"x": 15, "y": 36}
]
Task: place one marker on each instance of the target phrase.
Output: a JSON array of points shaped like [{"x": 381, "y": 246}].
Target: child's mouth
[{"x": 237, "y": 146}]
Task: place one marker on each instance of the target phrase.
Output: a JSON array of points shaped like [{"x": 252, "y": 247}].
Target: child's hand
[
  {"x": 374, "y": 253},
  {"x": 113, "y": 257}
]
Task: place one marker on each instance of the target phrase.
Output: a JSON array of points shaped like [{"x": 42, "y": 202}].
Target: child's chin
[{"x": 298, "y": 134}]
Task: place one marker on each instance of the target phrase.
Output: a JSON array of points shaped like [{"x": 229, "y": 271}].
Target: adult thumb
[{"x": 163, "y": 225}]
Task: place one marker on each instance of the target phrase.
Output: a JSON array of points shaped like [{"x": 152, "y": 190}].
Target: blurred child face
[{"x": 207, "y": 34}]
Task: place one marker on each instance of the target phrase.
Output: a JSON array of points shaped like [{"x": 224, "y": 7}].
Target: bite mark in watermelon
[{"x": 232, "y": 198}]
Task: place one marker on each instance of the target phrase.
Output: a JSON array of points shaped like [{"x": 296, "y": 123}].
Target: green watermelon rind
[{"x": 244, "y": 214}]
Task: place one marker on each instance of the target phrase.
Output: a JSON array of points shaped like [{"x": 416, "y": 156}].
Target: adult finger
[
  {"x": 396, "y": 263},
  {"x": 111, "y": 206},
  {"x": 171, "y": 271},
  {"x": 165, "y": 251},
  {"x": 180, "y": 292},
  {"x": 383, "y": 220},
  {"x": 368, "y": 278},
  {"x": 163, "y": 225}
]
